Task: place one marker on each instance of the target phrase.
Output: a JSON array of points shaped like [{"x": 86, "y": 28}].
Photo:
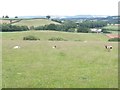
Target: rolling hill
[{"x": 35, "y": 22}]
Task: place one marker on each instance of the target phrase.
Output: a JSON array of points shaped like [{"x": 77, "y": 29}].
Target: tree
[
  {"x": 48, "y": 17},
  {"x": 83, "y": 30},
  {"x": 6, "y": 16},
  {"x": 16, "y": 16},
  {"x": 2, "y": 16},
  {"x": 51, "y": 27}
]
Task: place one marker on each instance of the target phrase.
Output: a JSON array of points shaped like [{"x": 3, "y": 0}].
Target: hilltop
[
  {"x": 29, "y": 22},
  {"x": 35, "y": 22}
]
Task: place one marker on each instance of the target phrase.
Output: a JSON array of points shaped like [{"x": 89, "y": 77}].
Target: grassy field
[
  {"x": 0, "y": 60},
  {"x": 35, "y": 22},
  {"x": 45, "y": 35},
  {"x": 73, "y": 64},
  {"x": 7, "y": 21}
]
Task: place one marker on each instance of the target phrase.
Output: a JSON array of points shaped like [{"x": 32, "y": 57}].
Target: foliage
[
  {"x": 10, "y": 28},
  {"x": 71, "y": 30},
  {"x": 31, "y": 27},
  {"x": 55, "y": 20},
  {"x": 114, "y": 39},
  {"x": 83, "y": 30},
  {"x": 70, "y": 26},
  {"x": 105, "y": 30},
  {"x": 16, "y": 16},
  {"x": 63, "y": 27},
  {"x": 30, "y": 37},
  {"x": 57, "y": 39},
  {"x": 48, "y": 17},
  {"x": 6, "y": 16},
  {"x": 93, "y": 24},
  {"x": 50, "y": 27}
]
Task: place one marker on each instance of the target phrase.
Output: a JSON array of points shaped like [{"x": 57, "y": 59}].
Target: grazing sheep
[
  {"x": 108, "y": 47},
  {"x": 54, "y": 46},
  {"x": 15, "y": 47},
  {"x": 85, "y": 41}
]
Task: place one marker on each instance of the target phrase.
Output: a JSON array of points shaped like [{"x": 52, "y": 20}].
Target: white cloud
[{"x": 58, "y": 7}]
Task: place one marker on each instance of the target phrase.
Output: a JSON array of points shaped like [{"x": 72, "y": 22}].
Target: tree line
[
  {"x": 11, "y": 28},
  {"x": 67, "y": 26},
  {"x": 71, "y": 26}
]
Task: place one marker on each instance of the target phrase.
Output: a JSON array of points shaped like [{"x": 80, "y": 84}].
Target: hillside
[{"x": 35, "y": 22}]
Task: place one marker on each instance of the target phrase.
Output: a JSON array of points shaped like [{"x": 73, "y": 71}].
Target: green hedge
[
  {"x": 57, "y": 39},
  {"x": 30, "y": 37},
  {"x": 11, "y": 28},
  {"x": 114, "y": 39}
]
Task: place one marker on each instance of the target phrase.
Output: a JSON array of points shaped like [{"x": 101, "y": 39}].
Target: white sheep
[
  {"x": 54, "y": 46},
  {"x": 108, "y": 47},
  {"x": 15, "y": 47}
]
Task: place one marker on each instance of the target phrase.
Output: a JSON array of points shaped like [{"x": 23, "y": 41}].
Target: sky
[{"x": 58, "y": 7}]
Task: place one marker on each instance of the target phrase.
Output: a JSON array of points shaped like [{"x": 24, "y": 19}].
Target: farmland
[
  {"x": 35, "y": 22},
  {"x": 79, "y": 62}
]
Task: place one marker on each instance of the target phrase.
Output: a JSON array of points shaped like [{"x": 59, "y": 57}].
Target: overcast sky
[{"x": 58, "y": 7}]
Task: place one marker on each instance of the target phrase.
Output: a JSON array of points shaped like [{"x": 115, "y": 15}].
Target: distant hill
[{"x": 35, "y": 22}]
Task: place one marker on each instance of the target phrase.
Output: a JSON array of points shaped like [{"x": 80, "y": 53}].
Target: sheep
[
  {"x": 108, "y": 47},
  {"x": 54, "y": 46},
  {"x": 15, "y": 47}
]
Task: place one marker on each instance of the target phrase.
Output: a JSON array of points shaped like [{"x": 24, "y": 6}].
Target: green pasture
[
  {"x": 45, "y": 35},
  {"x": 35, "y": 22},
  {"x": 73, "y": 64}
]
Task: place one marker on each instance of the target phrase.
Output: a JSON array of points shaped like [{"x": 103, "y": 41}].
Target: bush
[
  {"x": 57, "y": 39},
  {"x": 114, "y": 39},
  {"x": 105, "y": 31},
  {"x": 32, "y": 28},
  {"x": 71, "y": 30},
  {"x": 30, "y": 37},
  {"x": 11, "y": 28},
  {"x": 83, "y": 30}
]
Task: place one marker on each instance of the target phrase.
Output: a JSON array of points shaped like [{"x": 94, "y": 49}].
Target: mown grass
[
  {"x": 73, "y": 64},
  {"x": 35, "y": 22}
]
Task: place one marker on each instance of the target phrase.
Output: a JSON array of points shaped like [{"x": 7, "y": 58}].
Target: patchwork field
[
  {"x": 80, "y": 62},
  {"x": 35, "y": 22}
]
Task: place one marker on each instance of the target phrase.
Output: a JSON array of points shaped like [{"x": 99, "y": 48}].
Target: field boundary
[{"x": 113, "y": 35}]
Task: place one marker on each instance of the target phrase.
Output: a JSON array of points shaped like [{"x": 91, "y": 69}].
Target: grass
[
  {"x": 73, "y": 64},
  {"x": 35, "y": 22},
  {"x": 45, "y": 35},
  {"x": 7, "y": 21}
]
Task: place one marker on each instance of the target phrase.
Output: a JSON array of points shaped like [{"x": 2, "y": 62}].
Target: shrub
[
  {"x": 30, "y": 37},
  {"x": 83, "y": 30},
  {"x": 105, "y": 31},
  {"x": 71, "y": 30},
  {"x": 57, "y": 39},
  {"x": 11, "y": 28},
  {"x": 114, "y": 39}
]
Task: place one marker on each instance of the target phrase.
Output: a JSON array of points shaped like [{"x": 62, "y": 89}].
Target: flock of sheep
[{"x": 107, "y": 47}]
